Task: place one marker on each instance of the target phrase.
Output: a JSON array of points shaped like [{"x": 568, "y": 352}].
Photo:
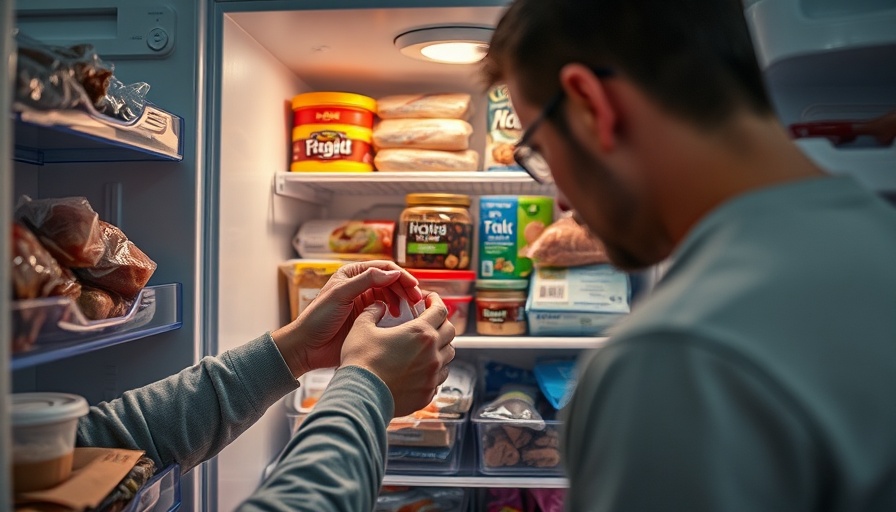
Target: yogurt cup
[{"x": 43, "y": 438}]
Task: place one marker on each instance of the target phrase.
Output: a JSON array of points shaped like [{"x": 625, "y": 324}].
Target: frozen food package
[
  {"x": 345, "y": 239},
  {"x": 67, "y": 226},
  {"x": 123, "y": 267},
  {"x": 438, "y": 105},
  {"x": 35, "y": 273},
  {"x": 411, "y": 160},
  {"x": 58, "y": 77},
  {"x": 440, "y": 134},
  {"x": 504, "y": 131},
  {"x": 566, "y": 243}
]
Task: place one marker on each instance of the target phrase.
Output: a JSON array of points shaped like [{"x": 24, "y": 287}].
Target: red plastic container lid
[{"x": 443, "y": 275}]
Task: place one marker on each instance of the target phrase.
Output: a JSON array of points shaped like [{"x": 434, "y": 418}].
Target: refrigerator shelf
[
  {"x": 63, "y": 136},
  {"x": 54, "y": 328},
  {"x": 527, "y": 342},
  {"x": 321, "y": 187},
  {"x": 160, "y": 494}
]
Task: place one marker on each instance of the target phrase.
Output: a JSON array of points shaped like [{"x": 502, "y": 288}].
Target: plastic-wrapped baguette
[
  {"x": 439, "y": 105},
  {"x": 388, "y": 160},
  {"x": 441, "y": 134}
]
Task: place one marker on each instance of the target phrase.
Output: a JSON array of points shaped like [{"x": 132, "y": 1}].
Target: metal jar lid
[{"x": 435, "y": 199}]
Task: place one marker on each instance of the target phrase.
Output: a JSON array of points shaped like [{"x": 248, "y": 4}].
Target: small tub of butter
[
  {"x": 501, "y": 307},
  {"x": 43, "y": 438}
]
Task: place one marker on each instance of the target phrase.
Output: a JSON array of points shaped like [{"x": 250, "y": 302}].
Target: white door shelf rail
[{"x": 321, "y": 187}]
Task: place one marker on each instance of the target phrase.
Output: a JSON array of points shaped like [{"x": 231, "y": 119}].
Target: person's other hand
[
  {"x": 314, "y": 340},
  {"x": 411, "y": 358}
]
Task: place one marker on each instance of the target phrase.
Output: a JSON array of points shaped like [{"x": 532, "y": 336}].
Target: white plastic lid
[{"x": 46, "y": 408}]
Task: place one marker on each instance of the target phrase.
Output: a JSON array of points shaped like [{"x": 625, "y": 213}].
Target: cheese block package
[
  {"x": 439, "y": 105},
  {"x": 441, "y": 134},
  {"x": 410, "y": 160}
]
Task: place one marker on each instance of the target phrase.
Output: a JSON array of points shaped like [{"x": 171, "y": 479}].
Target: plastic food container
[
  {"x": 447, "y": 283},
  {"x": 458, "y": 311},
  {"x": 332, "y": 132},
  {"x": 300, "y": 402},
  {"x": 517, "y": 447},
  {"x": 501, "y": 307},
  {"x": 431, "y": 446},
  {"x": 304, "y": 279},
  {"x": 43, "y": 433}
]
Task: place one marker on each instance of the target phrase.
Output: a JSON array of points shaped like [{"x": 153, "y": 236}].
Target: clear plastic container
[
  {"x": 447, "y": 283},
  {"x": 43, "y": 438},
  {"x": 429, "y": 446},
  {"x": 160, "y": 494},
  {"x": 517, "y": 447},
  {"x": 458, "y": 312}
]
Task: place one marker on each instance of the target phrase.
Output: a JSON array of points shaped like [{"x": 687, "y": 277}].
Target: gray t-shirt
[{"x": 761, "y": 373}]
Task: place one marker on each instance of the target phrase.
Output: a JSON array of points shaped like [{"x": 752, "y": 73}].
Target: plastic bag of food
[
  {"x": 35, "y": 273},
  {"x": 439, "y": 105},
  {"x": 413, "y": 160},
  {"x": 438, "y": 134},
  {"x": 123, "y": 101},
  {"x": 58, "y": 77},
  {"x": 122, "y": 268},
  {"x": 67, "y": 226},
  {"x": 515, "y": 402},
  {"x": 547, "y": 500},
  {"x": 565, "y": 243}
]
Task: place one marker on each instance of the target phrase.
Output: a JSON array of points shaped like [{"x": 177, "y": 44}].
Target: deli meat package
[
  {"x": 68, "y": 228},
  {"x": 439, "y": 105},
  {"x": 122, "y": 268}
]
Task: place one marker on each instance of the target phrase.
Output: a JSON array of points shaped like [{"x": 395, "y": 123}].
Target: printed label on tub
[
  {"x": 507, "y": 224},
  {"x": 591, "y": 288}
]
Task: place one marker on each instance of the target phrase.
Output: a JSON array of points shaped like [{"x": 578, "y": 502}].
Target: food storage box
[
  {"x": 300, "y": 402},
  {"x": 447, "y": 283},
  {"x": 304, "y": 279},
  {"x": 429, "y": 446},
  {"x": 401, "y": 498},
  {"x": 518, "y": 447},
  {"x": 458, "y": 312}
]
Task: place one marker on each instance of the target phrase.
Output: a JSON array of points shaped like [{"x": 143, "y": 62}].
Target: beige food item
[
  {"x": 439, "y": 105},
  {"x": 519, "y": 436},
  {"x": 566, "y": 244},
  {"x": 541, "y": 457},
  {"x": 499, "y": 450},
  {"x": 411, "y": 160},
  {"x": 441, "y": 134}
]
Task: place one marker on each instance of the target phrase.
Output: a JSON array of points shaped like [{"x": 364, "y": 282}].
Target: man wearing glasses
[{"x": 760, "y": 373}]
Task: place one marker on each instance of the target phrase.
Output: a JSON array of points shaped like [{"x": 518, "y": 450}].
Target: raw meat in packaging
[{"x": 68, "y": 228}]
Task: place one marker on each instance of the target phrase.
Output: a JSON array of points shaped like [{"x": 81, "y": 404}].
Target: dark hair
[{"x": 694, "y": 57}]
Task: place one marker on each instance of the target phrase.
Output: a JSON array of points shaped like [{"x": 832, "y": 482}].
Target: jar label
[
  {"x": 442, "y": 245},
  {"x": 330, "y": 145}
]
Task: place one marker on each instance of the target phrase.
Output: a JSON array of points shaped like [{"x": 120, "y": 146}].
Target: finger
[
  {"x": 436, "y": 312},
  {"x": 406, "y": 281},
  {"x": 443, "y": 376},
  {"x": 372, "y": 313},
  {"x": 352, "y": 286},
  {"x": 446, "y": 333}
]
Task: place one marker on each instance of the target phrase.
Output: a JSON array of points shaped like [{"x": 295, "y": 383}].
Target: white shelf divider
[
  {"x": 477, "y": 481},
  {"x": 527, "y": 342}
]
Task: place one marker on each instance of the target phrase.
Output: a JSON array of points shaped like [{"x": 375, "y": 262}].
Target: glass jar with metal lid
[
  {"x": 501, "y": 307},
  {"x": 435, "y": 231}
]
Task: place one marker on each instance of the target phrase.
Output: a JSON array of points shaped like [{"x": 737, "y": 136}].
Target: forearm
[
  {"x": 336, "y": 461},
  {"x": 189, "y": 417}
]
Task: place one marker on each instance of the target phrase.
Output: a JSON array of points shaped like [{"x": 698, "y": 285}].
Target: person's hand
[
  {"x": 411, "y": 358},
  {"x": 314, "y": 339}
]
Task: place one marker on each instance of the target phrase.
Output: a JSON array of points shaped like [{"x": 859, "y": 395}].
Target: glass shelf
[
  {"x": 64, "y": 136},
  {"x": 528, "y": 342},
  {"x": 160, "y": 494},
  {"x": 53, "y": 328},
  {"x": 321, "y": 187}
]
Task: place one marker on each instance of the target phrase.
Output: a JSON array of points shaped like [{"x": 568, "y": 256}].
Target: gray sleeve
[
  {"x": 189, "y": 417},
  {"x": 336, "y": 460},
  {"x": 668, "y": 422}
]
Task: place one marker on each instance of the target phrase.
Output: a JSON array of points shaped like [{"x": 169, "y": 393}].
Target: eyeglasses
[{"x": 528, "y": 157}]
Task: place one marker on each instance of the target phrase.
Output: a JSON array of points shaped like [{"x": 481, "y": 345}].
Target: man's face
[{"x": 611, "y": 204}]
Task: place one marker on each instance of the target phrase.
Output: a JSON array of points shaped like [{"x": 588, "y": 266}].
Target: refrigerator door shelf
[
  {"x": 62, "y": 136},
  {"x": 321, "y": 187},
  {"x": 54, "y": 328},
  {"x": 786, "y": 31}
]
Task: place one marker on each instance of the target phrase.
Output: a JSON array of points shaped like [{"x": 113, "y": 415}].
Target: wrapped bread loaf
[
  {"x": 439, "y": 105},
  {"x": 390, "y": 160},
  {"x": 441, "y": 134}
]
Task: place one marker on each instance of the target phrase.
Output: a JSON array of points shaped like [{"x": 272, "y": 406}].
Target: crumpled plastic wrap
[
  {"x": 68, "y": 227},
  {"x": 566, "y": 244},
  {"x": 122, "y": 268},
  {"x": 35, "y": 273},
  {"x": 50, "y": 77},
  {"x": 515, "y": 402}
]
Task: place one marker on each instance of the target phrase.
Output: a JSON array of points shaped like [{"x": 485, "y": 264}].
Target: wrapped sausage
[
  {"x": 390, "y": 160},
  {"x": 67, "y": 226},
  {"x": 441, "y": 134},
  {"x": 439, "y": 105},
  {"x": 123, "y": 268}
]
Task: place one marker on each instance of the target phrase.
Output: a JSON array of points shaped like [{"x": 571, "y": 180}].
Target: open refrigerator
[{"x": 217, "y": 209}]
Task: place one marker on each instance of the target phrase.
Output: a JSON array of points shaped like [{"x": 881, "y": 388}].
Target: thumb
[{"x": 373, "y": 313}]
